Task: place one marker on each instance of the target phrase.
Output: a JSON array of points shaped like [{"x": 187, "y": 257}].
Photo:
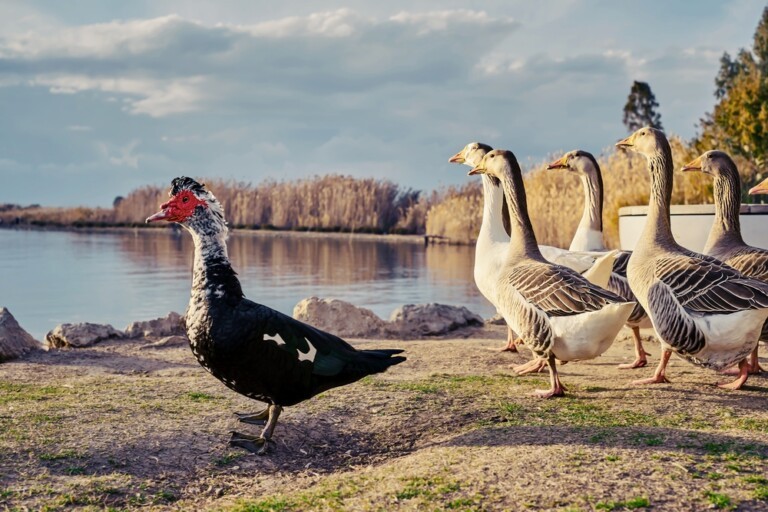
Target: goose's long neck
[
  {"x": 212, "y": 274},
  {"x": 657, "y": 229},
  {"x": 522, "y": 241},
  {"x": 726, "y": 228},
  {"x": 492, "y": 226},
  {"x": 589, "y": 234}
]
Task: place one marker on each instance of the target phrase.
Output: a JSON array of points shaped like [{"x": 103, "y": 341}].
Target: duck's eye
[{"x": 185, "y": 199}]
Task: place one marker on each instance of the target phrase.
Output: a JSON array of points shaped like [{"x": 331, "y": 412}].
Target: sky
[{"x": 98, "y": 97}]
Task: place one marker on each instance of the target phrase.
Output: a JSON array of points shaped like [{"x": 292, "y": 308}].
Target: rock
[
  {"x": 168, "y": 341},
  {"x": 496, "y": 319},
  {"x": 431, "y": 319},
  {"x": 169, "y": 325},
  {"x": 14, "y": 340},
  {"x": 338, "y": 317},
  {"x": 80, "y": 335}
]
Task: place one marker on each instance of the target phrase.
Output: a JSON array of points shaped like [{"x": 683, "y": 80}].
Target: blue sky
[{"x": 100, "y": 97}]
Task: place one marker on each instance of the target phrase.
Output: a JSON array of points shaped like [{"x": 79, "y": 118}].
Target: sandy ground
[{"x": 123, "y": 426}]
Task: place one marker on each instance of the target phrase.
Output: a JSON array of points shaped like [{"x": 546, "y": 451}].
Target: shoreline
[{"x": 276, "y": 233}]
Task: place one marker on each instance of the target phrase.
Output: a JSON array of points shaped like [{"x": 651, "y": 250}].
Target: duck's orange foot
[
  {"x": 744, "y": 368},
  {"x": 550, "y": 393},
  {"x": 533, "y": 366},
  {"x": 656, "y": 379},
  {"x": 640, "y": 362}
]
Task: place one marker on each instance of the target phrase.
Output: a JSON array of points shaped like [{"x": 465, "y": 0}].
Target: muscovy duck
[
  {"x": 555, "y": 310},
  {"x": 705, "y": 311},
  {"x": 589, "y": 237},
  {"x": 254, "y": 350}
]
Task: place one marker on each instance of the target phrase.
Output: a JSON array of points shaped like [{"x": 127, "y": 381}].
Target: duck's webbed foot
[
  {"x": 641, "y": 356},
  {"x": 744, "y": 367},
  {"x": 254, "y": 444},
  {"x": 256, "y": 418},
  {"x": 557, "y": 388},
  {"x": 258, "y": 444},
  {"x": 533, "y": 366},
  {"x": 659, "y": 376}
]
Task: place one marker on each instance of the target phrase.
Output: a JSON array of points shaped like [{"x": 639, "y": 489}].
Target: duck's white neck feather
[
  {"x": 589, "y": 234},
  {"x": 492, "y": 226}
]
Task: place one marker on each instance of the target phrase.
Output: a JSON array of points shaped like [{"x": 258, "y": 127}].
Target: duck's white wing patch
[
  {"x": 276, "y": 338},
  {"x": 310, "y": 354}
]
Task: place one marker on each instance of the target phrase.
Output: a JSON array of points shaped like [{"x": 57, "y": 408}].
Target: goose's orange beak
[
  {"x": 694, "y": 165},
  {"x": 561, "y": 163},
  {"x": 478, "y": 169},
  {"x": 626, "y": 143},
  {"x": 458, "y": 158},
  {"x": 760, "y": 188}
]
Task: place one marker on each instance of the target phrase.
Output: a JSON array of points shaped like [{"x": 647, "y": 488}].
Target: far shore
[{"x": 276, "y": 233}]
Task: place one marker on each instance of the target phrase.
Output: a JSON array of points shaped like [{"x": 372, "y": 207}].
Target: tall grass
[{"x": 343, "y": 203}]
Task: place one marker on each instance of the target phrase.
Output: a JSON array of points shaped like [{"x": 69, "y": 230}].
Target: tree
[
  {"x": 640, "y": 109},
  {"x": 739, "y": 121}
]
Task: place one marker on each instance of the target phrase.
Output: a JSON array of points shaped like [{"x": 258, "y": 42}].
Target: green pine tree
[{"x": 640, "y": 109}]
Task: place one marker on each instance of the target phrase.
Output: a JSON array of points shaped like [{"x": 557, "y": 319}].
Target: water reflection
[{"x": 53, "y": 277}]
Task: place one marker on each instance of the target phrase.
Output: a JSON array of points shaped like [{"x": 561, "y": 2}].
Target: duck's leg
[
  {"x": 557, "y": 388},
  {"x": 754, "y": 366},
  {"x": 744, "y": 367},
  {"x": 754, "y": 363},
  {"x": 533, "y": 366},
  {"x": 659, "y": 376},
  {"x": 258, "y": 445},
  {"x": 256, "y": 418},
  {"x": 511, "y": 341},
  {"x": 640, "y": 354}
]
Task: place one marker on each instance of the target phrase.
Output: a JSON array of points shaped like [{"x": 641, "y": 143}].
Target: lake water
[{"x": 52, "y": 277}]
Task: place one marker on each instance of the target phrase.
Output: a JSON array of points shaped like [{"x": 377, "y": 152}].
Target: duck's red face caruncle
[{"x": 180, "y": 208}]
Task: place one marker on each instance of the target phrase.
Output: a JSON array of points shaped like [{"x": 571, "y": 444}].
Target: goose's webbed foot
[
  {"x": 744, "y": 368},
  {"x": 256, "y": 418}
]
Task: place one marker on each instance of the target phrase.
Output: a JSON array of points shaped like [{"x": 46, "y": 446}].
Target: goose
[
  {"x": 254, "y": 350},
  {"x": 493, "y": 239},
  {"x": 725, "y": 242},
  {"x": 704, "y": 311},
  {"x": 557, "y": 313},
  {"x": 589, "y": 237}
]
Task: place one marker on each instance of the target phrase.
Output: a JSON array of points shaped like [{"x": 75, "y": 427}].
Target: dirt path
[{"x": 123, "y": 427}]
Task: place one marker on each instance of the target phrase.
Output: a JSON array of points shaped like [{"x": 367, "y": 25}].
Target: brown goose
[
  {"x": 705, "y": 311},
  {"x": 555, "y": 310},
  {"x": 589, "y": 237},
  {"x": 725, "y": 242}
]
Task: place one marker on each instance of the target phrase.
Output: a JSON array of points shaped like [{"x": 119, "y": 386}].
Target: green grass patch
[
  {"x": 15, "y": 392},
  {"x": 427, "y": 487},
  {"x": 228, "y": 458},
  {"x": 632, "y": 504},
  {"x": 197, "y": 396},
  {"x": 267, "y": 505},
  {"x": 718, "y": 500},
  {"x": 61, "y": 455}
]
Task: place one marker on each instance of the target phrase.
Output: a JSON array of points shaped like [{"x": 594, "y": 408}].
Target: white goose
[
  {"x": 493, "y": 239},
  {"x": 705, "y": 311},
  {"x": 555, "y": 310},
  {"x": 725, "y": 242},
  {"x": 589, "y": 237}
]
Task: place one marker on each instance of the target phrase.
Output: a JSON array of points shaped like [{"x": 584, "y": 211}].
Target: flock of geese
[
  {"x": 568, "y": 305},
  {"x": 564, "y": 305}
]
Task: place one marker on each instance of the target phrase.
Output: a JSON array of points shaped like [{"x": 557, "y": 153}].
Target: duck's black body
[
  {"x": 252, "y": 349},
  {"x": 266, "y": 355}
]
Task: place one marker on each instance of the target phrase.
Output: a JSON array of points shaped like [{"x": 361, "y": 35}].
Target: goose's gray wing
[
  {"x": 705, "y": 285},
  {"x": 558, "y": 290}
]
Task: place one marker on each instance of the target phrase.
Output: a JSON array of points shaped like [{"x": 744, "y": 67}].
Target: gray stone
[
  {"x": 168, "y": 341},
  {"x": 169, "y": 325},
  {"x": 431, "y": 319},
  {"x": 339, "y": 317},
  {"x": 496, "y": 319},
  {"x": 14, "y": 340},
  {"x": 80, "y": 335}
]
